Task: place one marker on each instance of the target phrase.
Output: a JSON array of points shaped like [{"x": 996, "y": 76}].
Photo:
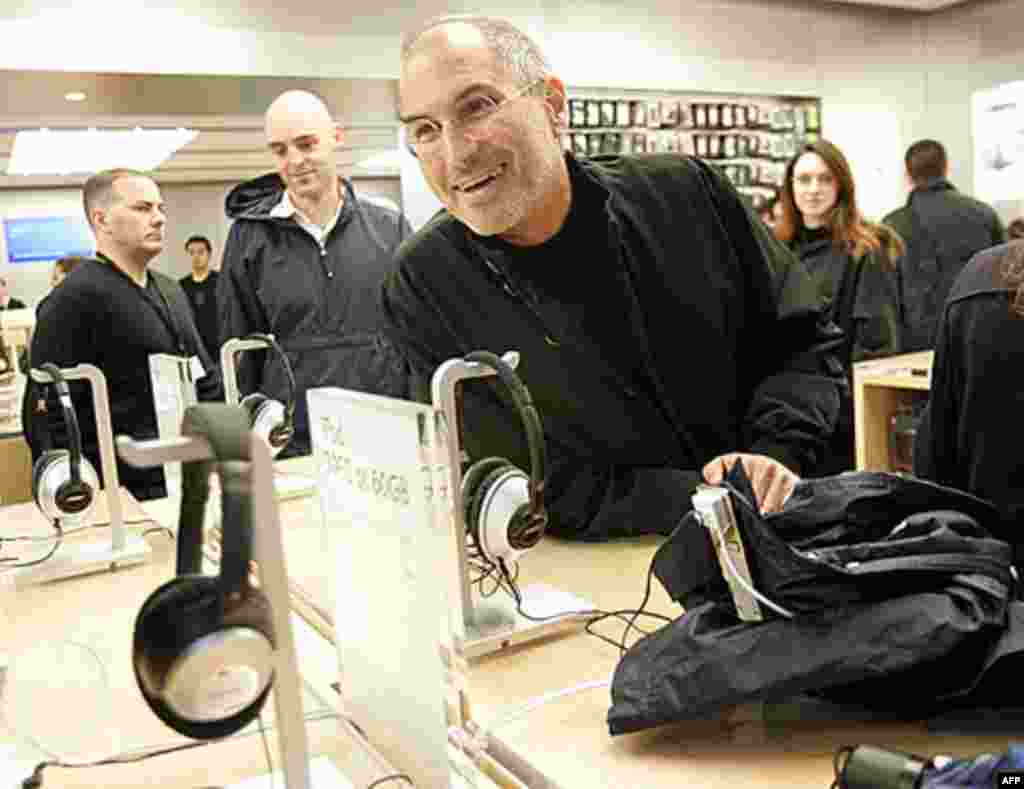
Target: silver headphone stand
[
  {"x": 268, "y": 553},
  {"x": 73, "y": 558},
  {"x": 228, "y": 351},
  {"x": 494, "y": 623}
]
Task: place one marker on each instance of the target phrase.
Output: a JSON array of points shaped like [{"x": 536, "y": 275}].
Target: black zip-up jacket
[
  {"x": 98, "y": 315},
  {"x": 320, "y": 302},
  {"x": 969, "y": 437},
  {"x": 724, "y": 321},
  {"x": 859, "y": 296},
  {"x": 942, "y": 229}
]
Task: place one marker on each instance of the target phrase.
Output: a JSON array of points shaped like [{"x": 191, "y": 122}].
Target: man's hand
[{"x": 772, "y": 481}]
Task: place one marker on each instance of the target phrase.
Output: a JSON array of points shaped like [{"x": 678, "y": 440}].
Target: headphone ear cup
[
  {"x": 46, "y": 461},
  {"x": 251, "y": 403},
  {"x": 268, "y": 419},
  {"x": 203, "y": 672},
  {"x": 56, "y": 496},
  {"x": 503, "y": 491},
  {"x": 471, "y": 484}
]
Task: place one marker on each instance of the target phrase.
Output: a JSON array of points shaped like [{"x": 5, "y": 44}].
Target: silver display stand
[
  {"x": 268, "y": 552},
  {"x": 228, "y": 352},
  {"x": 494, "y": 623},
  {"x": 74, "y": 559}
]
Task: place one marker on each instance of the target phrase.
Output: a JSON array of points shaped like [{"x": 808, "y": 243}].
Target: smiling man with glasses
[{"x": 663, "y": 332}]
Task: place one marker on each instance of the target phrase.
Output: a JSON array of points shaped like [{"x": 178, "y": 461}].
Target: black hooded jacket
[
  {"x": 722, "y": 323},
  {"x": 942, "y": 229},
  {"x": 320, "y": 303}
]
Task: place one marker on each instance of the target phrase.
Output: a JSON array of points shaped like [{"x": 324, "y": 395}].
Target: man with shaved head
[
  {"x": 304, "y": 261},
  {"x": 664, "y": 334}
]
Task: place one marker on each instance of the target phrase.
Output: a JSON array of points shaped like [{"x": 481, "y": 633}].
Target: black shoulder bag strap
[{"x": 178, "y": 331}]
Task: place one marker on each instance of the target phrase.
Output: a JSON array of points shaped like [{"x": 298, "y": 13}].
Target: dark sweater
[
  {"x": 721, "y": 319},
  {"x": 100, "y": 316}
]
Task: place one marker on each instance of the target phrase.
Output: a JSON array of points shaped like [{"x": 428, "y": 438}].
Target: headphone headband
[
  {"x": 70, "y": 420},
  {"x": 226, "y": 427},
  {"x": 537, "y": 515}
]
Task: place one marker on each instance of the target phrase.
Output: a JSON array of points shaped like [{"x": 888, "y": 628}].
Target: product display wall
[{"x": 749, "y": 138}]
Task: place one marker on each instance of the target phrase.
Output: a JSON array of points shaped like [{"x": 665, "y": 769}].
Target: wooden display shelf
[{"x": 880, "y": 386}]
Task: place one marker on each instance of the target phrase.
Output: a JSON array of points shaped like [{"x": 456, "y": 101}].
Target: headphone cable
[{"x": 58, "y": 540}]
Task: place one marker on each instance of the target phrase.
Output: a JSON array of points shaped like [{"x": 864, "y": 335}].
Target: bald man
[{"x": 305, "y": 260}]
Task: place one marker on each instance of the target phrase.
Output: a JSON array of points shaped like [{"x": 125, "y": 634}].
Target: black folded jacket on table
[{"x": 901, "y": 598}]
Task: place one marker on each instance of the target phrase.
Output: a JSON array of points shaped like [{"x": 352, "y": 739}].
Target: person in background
[
  {"x": 304, "y": 261},
  {"x": 664, "y": 334},
  {"x": 113, "y": 312},
  {"x": 1015, "y": 229},
  {"x": 8, "y": 302},
  {"x": 969, "y": 436},
  {"x": 942, "y": 229},
  {"x": 201, "y": 288},
  {"x": 850, "y": 260},
  {"x": 61, "y": 268}
]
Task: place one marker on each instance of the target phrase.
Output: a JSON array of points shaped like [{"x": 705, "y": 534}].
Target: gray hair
[{"x": 513, "y": 48}]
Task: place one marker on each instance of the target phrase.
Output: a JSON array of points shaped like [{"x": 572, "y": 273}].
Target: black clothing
[
  {"x": 942, "y": 229},
  {"x": 13, "y": 304},
  {"x": 203, "y": 298},
  {"x": 859, "y": 296},
  {"x": 902, "y": 595},
  {"x": 100, "y": 316},
  {"x": 720, "y": 318},
  {"x": 320, "y": 302},
  {"x": 970, "y": 437}
]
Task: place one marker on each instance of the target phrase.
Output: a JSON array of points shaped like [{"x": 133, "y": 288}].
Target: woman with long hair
[
  {"x": 851, "y": 260},
  {"x": 970, "y": 436}
]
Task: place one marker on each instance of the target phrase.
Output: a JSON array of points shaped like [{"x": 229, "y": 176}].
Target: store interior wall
[
  {"x": 192, "y": 209},
  {"x": 885, "y": 77}
]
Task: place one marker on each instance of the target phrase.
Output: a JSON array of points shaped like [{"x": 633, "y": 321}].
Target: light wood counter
[
  {"x": 879, "y": 387},
  {"x": 566, "y": 739}
]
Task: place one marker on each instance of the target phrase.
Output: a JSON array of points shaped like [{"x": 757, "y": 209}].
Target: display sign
[
  {"x": 998, "y": 121},
  {"x": 384, "y": 496},
  {"x": 47, "y": 238}
]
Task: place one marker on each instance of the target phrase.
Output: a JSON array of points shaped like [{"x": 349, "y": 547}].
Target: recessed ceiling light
[
  {"x": 75, "y": 95},
  {"x": 63, "y": 152}
]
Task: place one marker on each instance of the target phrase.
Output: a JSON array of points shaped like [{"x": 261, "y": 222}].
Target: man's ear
[
  {"x": 339, "y": 135},
  {"x": 556, "y": 103}
]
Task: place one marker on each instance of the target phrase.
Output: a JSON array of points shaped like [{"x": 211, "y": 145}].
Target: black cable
[
  {"x": 36, "y": 779},
  {"x": 509, "y": 584},
  {"x": 57, "y": 540},
  {"x": 391, "y": 777}
]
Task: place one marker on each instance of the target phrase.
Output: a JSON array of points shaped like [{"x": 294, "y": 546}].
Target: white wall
[{"x": 192, "y": 209}]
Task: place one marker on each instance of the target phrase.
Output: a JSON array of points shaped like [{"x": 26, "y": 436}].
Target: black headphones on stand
[
  {"x": 271, "y": 420},
  {"x": 203, "y": 649},
  {"x": 504, "y": 508},
  {"x": 64, "y": 484}
]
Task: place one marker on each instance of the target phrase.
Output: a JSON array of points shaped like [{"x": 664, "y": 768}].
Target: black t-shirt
[
  {"x": 203, "y": 298},
  {"x": 578, "y": 278}
]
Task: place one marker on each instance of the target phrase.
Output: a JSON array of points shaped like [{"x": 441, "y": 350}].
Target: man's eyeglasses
[{"x": 423, "y": 135}]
